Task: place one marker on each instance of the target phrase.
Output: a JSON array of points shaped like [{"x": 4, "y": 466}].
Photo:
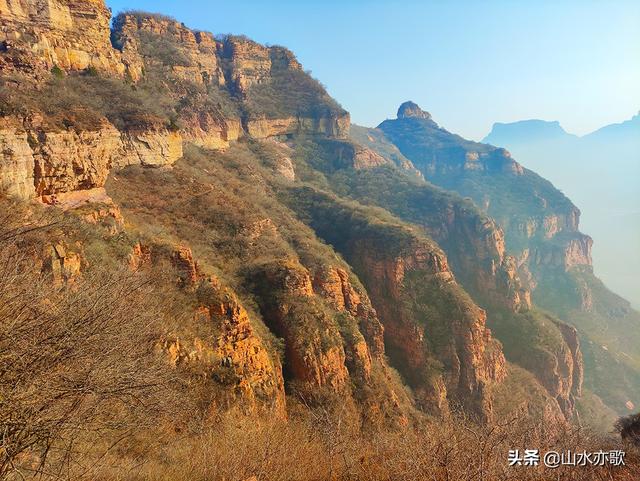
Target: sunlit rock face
[{"x": 68, "y": 34}]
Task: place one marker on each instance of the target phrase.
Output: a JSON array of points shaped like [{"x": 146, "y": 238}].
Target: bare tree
[{"x": 77, "y": 361}]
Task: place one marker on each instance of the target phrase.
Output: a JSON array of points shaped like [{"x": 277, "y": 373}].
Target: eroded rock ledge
[{"x": 36, "y": 161}]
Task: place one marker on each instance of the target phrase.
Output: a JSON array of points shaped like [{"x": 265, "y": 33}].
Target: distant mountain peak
[
  {"x": 627, "y": 130},
  {"x": 526, "y": 130},
  {"x": 410, "y": 109}
]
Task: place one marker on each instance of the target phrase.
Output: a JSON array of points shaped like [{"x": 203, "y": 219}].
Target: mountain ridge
[
  {"x": 359, "y": 282},
  {"x": 531, "y": 130},
  {"x": 544, "y": 240}
]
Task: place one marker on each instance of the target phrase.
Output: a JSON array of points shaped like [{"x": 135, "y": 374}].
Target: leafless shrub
[
  {"x": 77, "y": 362},
  {"x": 629, "y": 428},
  {"x": 236, "y": 448}
]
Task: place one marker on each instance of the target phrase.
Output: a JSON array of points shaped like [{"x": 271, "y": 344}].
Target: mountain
[
  {"x": 551, "y": 256},
  {"x": 526, "y": 131},
  {"x": 531, "y": 131},
  {"x": 204, "y": 268},
  {"x": 626, "y": 131},
  {"x": 600, "y": 172}
]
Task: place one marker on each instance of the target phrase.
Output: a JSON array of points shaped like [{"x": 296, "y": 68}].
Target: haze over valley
[{"x": 600, "y": 172}]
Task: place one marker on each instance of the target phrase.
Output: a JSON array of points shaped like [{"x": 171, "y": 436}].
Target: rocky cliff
[
  {"x": 70, "y": 34},
  {"x": 242, "y": 68},
  {"x": 57, "y": 139},
  {"x": 549, "y": 255},
  {"x": 476, "y": 248},
  {"x": 301, "y": 267},
  {"x": 37, "y": 161},
  {"x": 543, "y": 229},
  {"x": 442, "y": 348}
]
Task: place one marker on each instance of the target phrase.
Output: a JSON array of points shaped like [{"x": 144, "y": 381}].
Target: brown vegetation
[
  {"x": 319, "y": 445},
  {"x": 77, "y": 362},
  {"x": 629, "y": 428}
]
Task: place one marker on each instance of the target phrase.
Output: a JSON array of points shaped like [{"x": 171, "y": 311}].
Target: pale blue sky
[{"x": 470, "y": 63}]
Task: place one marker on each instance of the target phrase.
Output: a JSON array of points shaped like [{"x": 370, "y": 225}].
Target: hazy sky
[{"x": 470, "y": 63}]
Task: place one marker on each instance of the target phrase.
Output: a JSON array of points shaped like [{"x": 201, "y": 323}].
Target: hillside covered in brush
[{"x": 236, "y": 276}]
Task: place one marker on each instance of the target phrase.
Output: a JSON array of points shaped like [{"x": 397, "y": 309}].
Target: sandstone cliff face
[
  {"x": 335, "y": 286},
  {"x": 149, "y": 148},
  {"x": 569, "y": 250},
  {"x": 62, "y": 263},
  {"x": 436, "y": 152},
  {"x": 197, "y": 62},
  {"x": 234, "y": 355},
  {"x": 250, "y": 63},
  {"x": 541, "y": 232},
  {"x": 434, "y": 334},
  {"x": 499, "y": 160},
  {"x": 348, "y": 155},
  {"x": 211, "y": 131},
  {"x": 70, "y": 34},
  {"x": 258, "y": 377},
  {"x": 572, "y": 371},
  {"x": 331, "y": 126},
  {"x": 233, "y": 63},
  {"x": 317, "y": 353},
  {"x": 17, "y": 169},
  {"x": 37, "y": 161},
  {"x": 333, "y": 338},
  {"x": 475, "y": 246},
  {"x": 470, "y": 357},
  {"x": 163, "y": 47}
]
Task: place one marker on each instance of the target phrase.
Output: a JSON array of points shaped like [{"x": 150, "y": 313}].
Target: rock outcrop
[
  {"x": 330, "y": 126},
  {"x": 250, "y": 63},
  {"x": 469, "y": 356},
  {"x": 37, "y": 161},
  {"x": 256, "y": 375},
  {"x": 233, "y": 355},
  {"x": 436, "y": 152},
  {"x": 234, "y": 64},
  {"x": 317, "y": 354},
  {"x": 476, "y": 248},
  {"x": 412, "y": 110},
  {"x": 335, "y": 285},
  {"x": 68, "y": 34},
  {"x": 442, "y": 348},
  {"x": 572, "y": 371},
  {"x": 542, "y": 231},
  {"x": 193, "y": 56},
  {"x": 62, "y": 263}
]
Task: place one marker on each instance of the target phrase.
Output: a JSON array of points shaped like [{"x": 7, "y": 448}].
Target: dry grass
[
  {"x": 77, "y": 360},
  {"x": 311, "y": 447}
]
